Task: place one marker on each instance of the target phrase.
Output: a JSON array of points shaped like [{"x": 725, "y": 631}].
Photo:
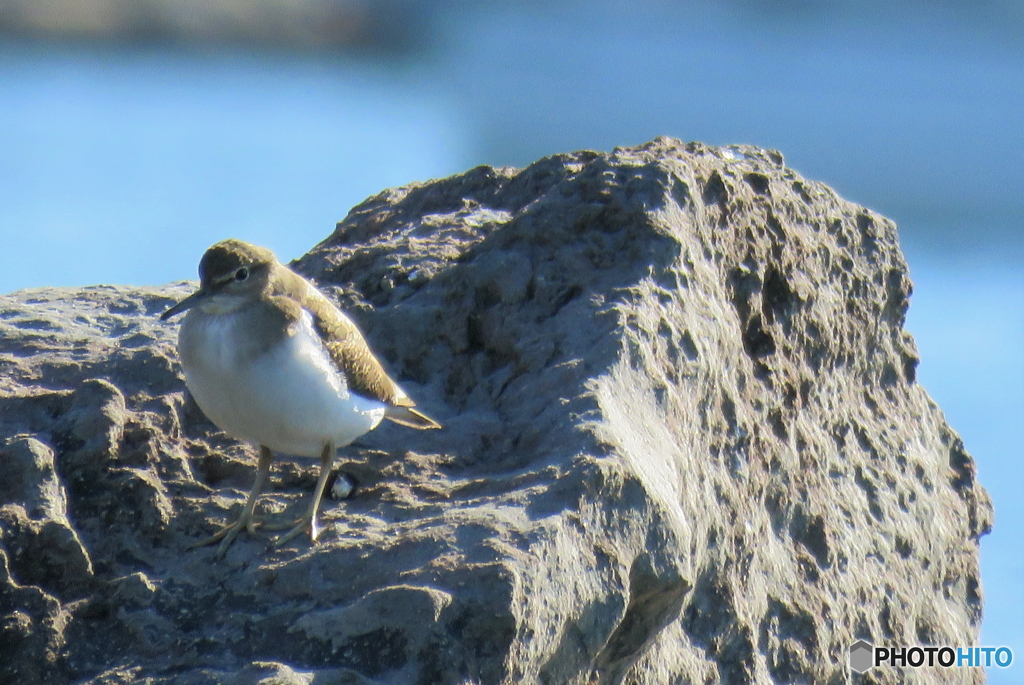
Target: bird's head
[{"x": 231, "y": 274}]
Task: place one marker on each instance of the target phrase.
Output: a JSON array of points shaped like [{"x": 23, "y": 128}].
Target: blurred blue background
[{"x": 127, "y": 146}]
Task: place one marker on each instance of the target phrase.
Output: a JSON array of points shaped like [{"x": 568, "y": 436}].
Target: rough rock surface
[{"x": 683, "y": 444}]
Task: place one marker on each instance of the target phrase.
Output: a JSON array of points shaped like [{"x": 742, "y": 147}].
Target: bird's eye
[{"x": 242, "y": 274}]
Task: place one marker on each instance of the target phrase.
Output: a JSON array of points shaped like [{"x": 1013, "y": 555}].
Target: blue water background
[{"x": 121, "y": 166}]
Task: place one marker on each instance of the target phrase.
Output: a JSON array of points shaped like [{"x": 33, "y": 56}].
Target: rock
[
  {"x": 683, "y": 442},
  {"x": 32, "y": 627},
  {"x": 382, "y": 631},
  {"x": 42, "y": 546}
]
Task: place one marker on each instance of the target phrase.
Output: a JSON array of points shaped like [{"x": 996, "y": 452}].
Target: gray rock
[{"x": 683, "y": 442}]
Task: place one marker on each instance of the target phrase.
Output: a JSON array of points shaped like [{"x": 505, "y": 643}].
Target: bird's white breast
[{"x": 289, "y": 397}]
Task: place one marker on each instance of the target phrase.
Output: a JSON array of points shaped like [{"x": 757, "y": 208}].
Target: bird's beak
[{"x": 191, "y": 301}]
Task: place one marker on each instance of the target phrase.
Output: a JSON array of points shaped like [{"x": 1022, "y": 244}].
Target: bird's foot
[
  {"x": 287, "y": 524},
  {"x": 306, "y": 524},
  {"x": 228, "y": 533}
]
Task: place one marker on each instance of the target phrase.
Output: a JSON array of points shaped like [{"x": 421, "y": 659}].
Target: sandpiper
[{"x": 272, "y": 361}]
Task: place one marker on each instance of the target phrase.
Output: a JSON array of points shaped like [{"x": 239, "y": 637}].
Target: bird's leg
[
  {"x": 308, "y": 522},
  {"x": 246, "y": 519}
]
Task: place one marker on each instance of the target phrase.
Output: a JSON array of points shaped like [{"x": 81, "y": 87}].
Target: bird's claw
[
  {"x": 303, "y": 525},
  {"x": 227, "y": 535}
]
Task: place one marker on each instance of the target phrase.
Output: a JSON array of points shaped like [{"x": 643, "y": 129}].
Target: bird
[{"x": 272, "y": 361}]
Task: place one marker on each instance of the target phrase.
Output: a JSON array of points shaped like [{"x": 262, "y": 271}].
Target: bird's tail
[{"x": 407, "y": 416}]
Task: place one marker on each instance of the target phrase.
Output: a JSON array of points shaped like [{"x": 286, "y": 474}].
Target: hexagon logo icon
[{"x": 861, "y": 653}]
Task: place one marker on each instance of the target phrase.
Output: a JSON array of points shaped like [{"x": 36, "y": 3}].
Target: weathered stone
[
  {"x": 32, "y": 631},
  {"x": 684, "y": 442},
  {"x": 42, "y": 546},
  {"x": 30, "y": 479}
]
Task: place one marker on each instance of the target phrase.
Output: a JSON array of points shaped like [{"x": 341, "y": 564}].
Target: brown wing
[
  {"x": 413, "y": 418},
  {"x": 366, "y": 377},
  {"x": 350, "y": 353}
]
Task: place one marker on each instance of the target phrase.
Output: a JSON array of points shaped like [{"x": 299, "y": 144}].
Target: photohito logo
[{"x": 864, "y": 655}]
